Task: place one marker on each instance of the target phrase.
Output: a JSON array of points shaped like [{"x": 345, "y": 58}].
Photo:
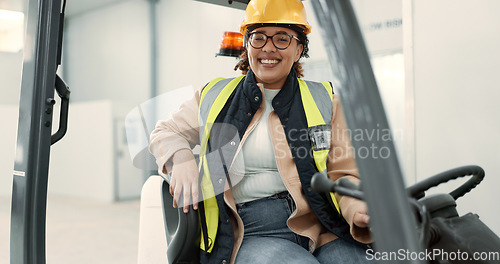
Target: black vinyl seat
[{"x": 182, "y": 231}]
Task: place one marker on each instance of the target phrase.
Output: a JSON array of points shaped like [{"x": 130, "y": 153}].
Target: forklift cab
[{"x": 169, "y": 235}]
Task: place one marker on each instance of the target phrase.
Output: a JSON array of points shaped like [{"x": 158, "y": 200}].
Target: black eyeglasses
[{"x": 280, "y": 40}]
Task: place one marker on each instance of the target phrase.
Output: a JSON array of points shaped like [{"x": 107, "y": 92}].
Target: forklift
[{"x": 422, "y": 224}]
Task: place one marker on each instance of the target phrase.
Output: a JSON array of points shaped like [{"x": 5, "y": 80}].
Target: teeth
[{"x": 266, "y": 61}]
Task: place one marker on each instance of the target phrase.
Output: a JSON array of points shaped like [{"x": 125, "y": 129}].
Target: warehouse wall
[{"x": 451, "y": 56}]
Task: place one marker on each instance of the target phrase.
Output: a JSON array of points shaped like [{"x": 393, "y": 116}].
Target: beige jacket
[{"x": 181, "y": 132}]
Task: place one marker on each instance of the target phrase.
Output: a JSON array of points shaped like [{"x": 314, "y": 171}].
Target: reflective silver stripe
[
  {"x": 209, "y": 99},
  {"x": 322, "y": 100}
]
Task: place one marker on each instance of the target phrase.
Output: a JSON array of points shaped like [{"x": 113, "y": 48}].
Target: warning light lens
[{"x": 232, "y": 44}]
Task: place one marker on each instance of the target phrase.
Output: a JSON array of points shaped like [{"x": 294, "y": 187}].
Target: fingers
[
  {"x": 361, "y": 220},
  {"x": 186, "y": 198},
  {"x": 184, "y": 183},
  {"x": 190, "y": 191},
  {"x": 171, "y": 187},
  {"x": 194, "y": 190},
  {"x": 187, "y": 192},
  {"x": 176, "y": 195},
  {"x": 366, "y": 220}
]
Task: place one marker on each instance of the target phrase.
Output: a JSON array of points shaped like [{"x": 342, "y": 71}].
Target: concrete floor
[{"x": 83, "y": 231}]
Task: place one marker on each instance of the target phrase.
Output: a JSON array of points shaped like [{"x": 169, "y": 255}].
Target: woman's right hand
[{"x": 184, "y": 179}]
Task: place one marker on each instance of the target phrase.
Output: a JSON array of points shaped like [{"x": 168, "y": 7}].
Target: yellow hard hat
[{"x": 275, "y": 12}]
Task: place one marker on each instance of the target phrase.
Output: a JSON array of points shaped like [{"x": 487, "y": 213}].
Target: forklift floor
[{"x": 83, "y": 231}]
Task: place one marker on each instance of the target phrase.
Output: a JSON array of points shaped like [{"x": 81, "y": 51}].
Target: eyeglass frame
[{"x": 272, "y": 41}]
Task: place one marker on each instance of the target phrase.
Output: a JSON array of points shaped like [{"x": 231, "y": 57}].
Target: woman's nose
[{"x": 269, "y": 46}]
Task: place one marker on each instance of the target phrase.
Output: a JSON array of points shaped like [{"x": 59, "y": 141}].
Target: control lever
[{"x": 321, "y": 183}]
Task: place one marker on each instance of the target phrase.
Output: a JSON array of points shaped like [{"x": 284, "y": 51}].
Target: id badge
[{"x": 320, "y": 137}]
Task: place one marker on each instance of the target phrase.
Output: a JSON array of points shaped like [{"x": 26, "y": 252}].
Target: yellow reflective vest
[{"x": 318, "y": 111}]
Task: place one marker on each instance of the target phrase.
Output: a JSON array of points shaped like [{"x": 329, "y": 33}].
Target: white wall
[
  {"x": 190, "y": 34},
  {"x": 8, "y": 117},
  {"x": 82, "y": 164},
  {"x": 10, "y": 77},
  {"x": 11, "y": 62},
  {"x": 10, "y": 88},
  {"x": 381, "y": 24},
  {"x": 107, "y": 55},
  {"x": 452, "y": 59},
  {"x": 92, "y": 160}
]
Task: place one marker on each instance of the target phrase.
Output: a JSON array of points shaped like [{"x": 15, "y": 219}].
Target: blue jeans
[{"x": 267, "y": 238}]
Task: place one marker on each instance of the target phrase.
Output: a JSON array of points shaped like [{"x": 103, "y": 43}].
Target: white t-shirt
[{"x": 261, "y": 177}]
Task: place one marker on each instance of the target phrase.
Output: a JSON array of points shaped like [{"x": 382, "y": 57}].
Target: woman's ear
[{"x": 300, "y": 48}]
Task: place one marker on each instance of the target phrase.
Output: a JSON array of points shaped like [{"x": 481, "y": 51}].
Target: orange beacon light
[{"x": 232, "y": 44}]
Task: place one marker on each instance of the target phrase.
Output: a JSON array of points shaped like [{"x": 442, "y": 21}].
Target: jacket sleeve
[
  {"x": 179, "y": 132},
  {"x": 341, "y": 164}
]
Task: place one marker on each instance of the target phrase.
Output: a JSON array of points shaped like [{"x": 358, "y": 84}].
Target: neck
[{"x": 274, "y": 86}]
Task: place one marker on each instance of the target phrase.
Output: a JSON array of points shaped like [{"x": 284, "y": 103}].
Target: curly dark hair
[{"x": 244, "y": 65}]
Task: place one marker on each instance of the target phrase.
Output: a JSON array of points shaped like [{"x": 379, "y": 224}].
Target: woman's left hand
[{"x": 356, "y": 213}]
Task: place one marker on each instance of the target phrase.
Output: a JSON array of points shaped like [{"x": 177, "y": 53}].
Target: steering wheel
[
  {"x": 321, "y": 183},
  {"x": 418, "y": 190}
]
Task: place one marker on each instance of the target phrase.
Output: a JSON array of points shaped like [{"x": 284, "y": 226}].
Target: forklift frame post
[
  {"x": 31, "y": 166},
  {"x": 382, "y": 178}
]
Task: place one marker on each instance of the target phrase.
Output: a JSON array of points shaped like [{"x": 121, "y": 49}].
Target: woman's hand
[
  {"x": 184, "y": 179},
  {"x": 356, "y": 213}
]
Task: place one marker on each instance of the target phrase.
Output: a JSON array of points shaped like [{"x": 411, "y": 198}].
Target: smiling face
[{"x": 270, "y": 65}]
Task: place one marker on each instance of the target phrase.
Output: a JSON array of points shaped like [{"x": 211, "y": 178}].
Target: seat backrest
[{"x": 166, "y": 234}]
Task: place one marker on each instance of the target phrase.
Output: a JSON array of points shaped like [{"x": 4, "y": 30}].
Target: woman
[{"x": 288, "y": 129}]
